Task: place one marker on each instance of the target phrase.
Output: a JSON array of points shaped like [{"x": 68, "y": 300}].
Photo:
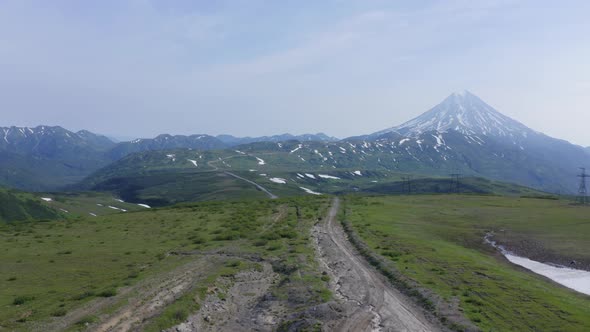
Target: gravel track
[{"x": 370, "y": 302}]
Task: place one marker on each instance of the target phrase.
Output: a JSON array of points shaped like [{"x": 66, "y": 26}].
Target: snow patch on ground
[
  {"x": 194, "y": 162},
  {"x": 309, "y": 191},
  {"x": 260, "y": 161},
  {"x": 578, "y": 280},
  {"x": 575, "y": 279},
  {"x": 311, "y": 176},
  {"x": 324, "y": 176},
  {"x": 92, "y": 214},
  {"x": 47, "y": 199},
  {"x": 297, "y": 148},
  {"x": 63, "y": 210},
  {"x": 145, "y": 206},
  {"x": 116, "y": 208},
  {"x": 119, "y": 200},
  {"x": 357, "y": 173},
  {"x": 278, "y": 180}
]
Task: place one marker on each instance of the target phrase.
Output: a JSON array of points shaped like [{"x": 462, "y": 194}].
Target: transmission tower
[
  {"x": 455, "y": 182},
  {"x": 406, "y": 185},
  {"x": 582, "y": 192}
]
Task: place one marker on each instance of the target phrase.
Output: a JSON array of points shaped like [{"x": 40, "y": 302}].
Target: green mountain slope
[
  {"x": 166, "y": 177},
  {"x": 20, "y": 206},
  {"x": 462, "y": 134}
]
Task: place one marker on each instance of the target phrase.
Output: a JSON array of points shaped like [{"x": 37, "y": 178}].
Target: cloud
[{"x": 190, "y": 66}]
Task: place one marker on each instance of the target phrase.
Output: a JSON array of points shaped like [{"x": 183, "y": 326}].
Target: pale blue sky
[{"x": 253, "y": 67}]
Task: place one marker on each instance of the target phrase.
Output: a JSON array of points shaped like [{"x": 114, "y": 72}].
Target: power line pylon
[
  {"x": 582, "y": 192},
  {"x": 406, "y": 185},
  {"x": 455, "y": 182}
]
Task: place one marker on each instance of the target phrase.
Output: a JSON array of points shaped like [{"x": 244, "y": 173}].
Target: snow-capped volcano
[{"x": 465, "y": 113}]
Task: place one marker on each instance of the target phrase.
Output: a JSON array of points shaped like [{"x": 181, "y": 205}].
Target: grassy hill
[
  {"x": 68, "y": 274},
  {"x": 167, "y": 177},
  {"x": 17, "y": 206},
  {"x": 83, "y": 204}
]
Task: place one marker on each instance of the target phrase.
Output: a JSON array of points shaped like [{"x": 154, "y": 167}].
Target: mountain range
[
  {"x": 462, "y": 134},
  {"x": 50, "y": 157}
]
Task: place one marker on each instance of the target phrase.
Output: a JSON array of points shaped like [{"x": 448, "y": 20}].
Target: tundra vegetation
[
  {"x": 434, "y": 244},
  {"x": 49, "y": 269}
]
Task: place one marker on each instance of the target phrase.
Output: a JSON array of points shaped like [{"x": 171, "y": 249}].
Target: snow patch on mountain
[
  {"x": 309, "y": 191},
  {"x": 278, "y": 180},
  {"x": 297, "y": 148},
  {"x": 463, "y": 112},
  {"x": 116, "y": 208},
  {"x": 324, "y": 176}
]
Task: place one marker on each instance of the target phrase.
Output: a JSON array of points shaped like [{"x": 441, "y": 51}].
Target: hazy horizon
[{"x": 256, "y": 68}]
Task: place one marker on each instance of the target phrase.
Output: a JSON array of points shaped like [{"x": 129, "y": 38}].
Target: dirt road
[
  {"x": 261, "y": 188},
  {"x": 371, "y": 304},
  {"x": 143, "y": 301},
  {"x": 271, "y": 195}
]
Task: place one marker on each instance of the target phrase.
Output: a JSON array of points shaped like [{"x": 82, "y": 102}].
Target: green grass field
[
  {"x": 437, "y": 241},
  {"x": 50, "y": 268}
]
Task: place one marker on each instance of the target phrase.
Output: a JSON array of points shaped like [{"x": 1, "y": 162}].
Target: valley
[
  {"x": 294, "y": 166},
  {"x": 415, "y": 262},
  {"x": 411, "y": 228}
]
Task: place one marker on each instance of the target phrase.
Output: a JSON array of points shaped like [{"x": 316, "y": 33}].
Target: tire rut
[{"x": 371, "y": 303}]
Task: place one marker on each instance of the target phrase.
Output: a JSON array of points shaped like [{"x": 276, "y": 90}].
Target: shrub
[
  {"x": 59, "y": 312},
  {"x": 20, "y": 300},
  {"x": 289, "y": 234},
  {"x": 198, "y": 240},
  {"x": 260, "y": 242},
  {"x": 108, "y": 293},
  {"x": 226, "y": 237},
  {"x": 180, "y": 315},
  {"x": 233, "y": 263},
  {"x": 83, "y": 295}
]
